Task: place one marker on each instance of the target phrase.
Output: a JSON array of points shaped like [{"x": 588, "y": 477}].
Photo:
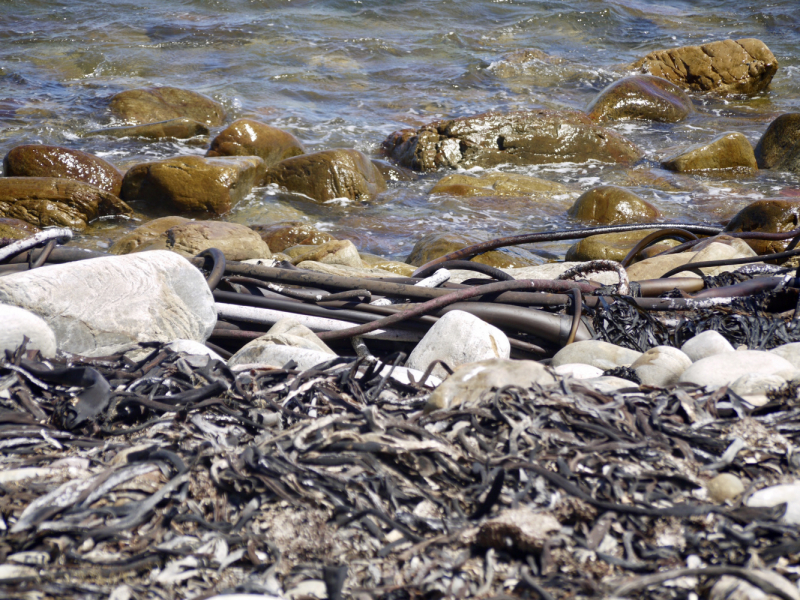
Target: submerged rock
[
  {"x": 37, "y": 160},
  {"x": 641, "y": 97},
  {"x": 52, "y": 201},
  {"x": 435, "y": 245},
  {"x": 497, "y": 184},
  {"x": 99, "y": 306},
  {"x": 519, "y": 138},
  {"x": 247, "y": 137},
  {"x": 743, "y": 66},
  {"x": 726, "y": 152},
  {"x": 329, "y": 175},
  {"x": 596, "y": 353},
  {"x": 770, "y": 216},
  {"x": 611, "y": 204},
  {"x": 286, "y": 234},
  {"x": 18, "y": 324},
  {"x": 180, "y": 129},
  {"x": 779, "y": 146},
  {"x": 723, "y": 369},
  {"x": 148, "y": 105},
  {"x": 193, "y": 183}
]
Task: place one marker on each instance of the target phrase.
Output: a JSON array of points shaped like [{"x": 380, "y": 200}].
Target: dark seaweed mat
[{"x": 194, "y": 481}]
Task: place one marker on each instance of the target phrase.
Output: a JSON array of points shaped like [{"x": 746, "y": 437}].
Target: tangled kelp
[{"x": 173, "y": 477}]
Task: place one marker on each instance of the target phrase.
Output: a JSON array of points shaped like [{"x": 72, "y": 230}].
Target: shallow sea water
[{"x": 345, "y": 74}]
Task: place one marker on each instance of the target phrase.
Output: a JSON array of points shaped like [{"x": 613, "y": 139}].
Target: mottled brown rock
[
  {"x": 614, "y": 246},
  {"x": 521, "y": 530},
  {"x": 149, "y": 236},
  {"x": 729, "y": 66},
  {"x": 193, "y": 183},
  {"x": 286, "y": 234},
  {"x": 392, "y": 172},
  {"x": 780, "y": 140},
  {"x": 180, "y": 129},
  {"x": 641, "y": 97},
  {"x": 149, "y": 105},
  {"x": 336, "y": 252},
  {"x": 497, "y": 184},
  {"x": 329, "y": 174},
  {"x": 53, "y": 201},
  {"x": 519, "y": 138},
  {"x": 771, "y": 216},
  {"x": 379, "y": 262},
  {"x": 438, "y": 244},
  {"x": 37, "y": 160},
  {"x": 726, "y": 152},
  {"x": 247, "y": 137},
  {"x": 611, "y": 204},
  {"x": 15, "y": 229}
]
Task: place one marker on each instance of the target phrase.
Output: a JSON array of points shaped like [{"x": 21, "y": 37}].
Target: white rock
[
  {"x": 723, "y": 369},
  {"x": 728, "y": 587},
  {"x": 757, "y": 383},
  {"x": 18, "y": 323},
  {"x": 706, "y": 344},
  {"x": 286, "y": 332},
  {"x": 403, "y": 375},
  {"x": 193, "y": 348},
  {"x": 274, "y": 355},
  {"x": 778, "y": 494},
  {"x": 99, "y": 306},
  {"x": 608, "y": 384},
  {"x": 458, "y": 338},
  {"x": 790, "y": 352},
  {"x": 661, "y": 366},
  {"x": 545, "y": 271},
  {"x": 578, "y": 371},
  {"x": 310, "y": 587},
  {"x": 596, "y": 353},
  {"x": 15, "y": 573}
]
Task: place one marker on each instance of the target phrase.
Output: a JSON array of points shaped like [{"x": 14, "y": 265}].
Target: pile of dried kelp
[{"x": 167, "y": 476}]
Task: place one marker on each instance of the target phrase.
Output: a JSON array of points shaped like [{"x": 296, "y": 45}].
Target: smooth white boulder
[
  {"x": 286, "y": 332},
  {"x": 193, "y": 348},
  {"x": 706, "y": 344},
  {"x": 18, "y": 323},
  {"x": 778, "y": 494},
  {"x": 757, "y": 383},
  {"x": 99, "y": 306},
  {"x": 458, "y": 338},
  {"x": 790, "y": 352},
  {"x": 597, "y": 353},
  {"x": 723, "y": 369},
  {"x": 578, "y": 371},
  {"x": 608, "y": 384},
  {"x": 661, "y": 366},
  {"x": 275, "y": 355}
]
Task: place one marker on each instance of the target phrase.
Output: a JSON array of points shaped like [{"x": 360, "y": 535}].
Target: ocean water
[{"x": 346, "y": 73}]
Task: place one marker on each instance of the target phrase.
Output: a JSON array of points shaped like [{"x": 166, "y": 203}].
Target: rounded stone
[
  {"x": 705, "y": 344},
  {"x": 578, "y": 371},
  {"x": 723, "y": 369},
  {"x": 18, "y": 324},
  {"x": 149, "y": 105},
  {"x": 146, "y": 237},
  {"x": 286, "y": 234},
  {"x": 788, "y": 493},
  {"x": 337, "y": 252},
  {"x": 235, "y": 241},
  {"x": 596, "y": 353},
  {"x": 724, "y": 487},
  {"x": 436, "y": 244},
  {"x": 781, "y": 138},
  {"x": 726, "y": 152},
  {"x": 757, "y": 384},
  {"x": 497, "y": 184},
  {"x": 661, "y": 366},
  {"x": 642, "y": 97},
  {"x": 610, "y": 204},
  {"x": 768, "y": 216},
  {"x": 247, "y": 137},
  {"x": 615, "y": 246},
  {"x": 790, "y": 352}
]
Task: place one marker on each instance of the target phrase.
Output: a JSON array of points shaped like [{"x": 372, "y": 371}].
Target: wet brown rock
[
  {"x": 247, "y": 137},
  {"x": 730, "y": 66},
  {"x": 521, "y": 529},
  {"x": 726, "y": 152},
  {"x": 15, "y": 229},
  {"x": 497, "y": 184},
  {"x": 771, "y": 216},
  {"x": 611, "y": 204},
  {"x": 337, "y": 252},
  {"x": 520, "y": 138},
  {"x": 286, "y": 234},
  {"x": 193, "y": 183},
  {"x": 149, "y": 105},
  {"x": 614, "y": 246},
  {"x": 329, "y": 174},
  {"x": 37, "y": 160},
  {"x": 180, "y": 129},
  {"x": 780, "y": 140},
  {"x": 392, "y": 172},
  {"x": 641, "y": 97},
  {"x": 52, "y": 201},
  {"x": 435, "y": 245},
  {"x": 145, "y": 236}
]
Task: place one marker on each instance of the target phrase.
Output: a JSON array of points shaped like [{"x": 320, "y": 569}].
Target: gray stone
[
  {"x": 99, "y": 306},
  {"x": 790, "y": 352},
  {"x": 596, "y": 353},
  {"x": 286, "y": 332},
  {"x": 706, "y": 344},
  {"x": 778, "y": 494},
  {"x": 277, "y": 355},
  {"x": 723, "y": 369},
  {"x": 456, "y": 339},
  {"x": 661, "y": 366},
  {"x": 18, "y": 324},
  {"x": 521, "y": 529},
  {"x": 725, "y": 487}
]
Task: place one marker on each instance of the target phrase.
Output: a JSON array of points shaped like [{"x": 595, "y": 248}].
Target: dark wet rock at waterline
[
  {"x": 392, "y": 172},
  {"x": 743, "y": 66},
  {"x": 726, "y": 152},
  {"x": 780, "y": 143},
  {"x": 37, "y": 160},
  {"x": 641, "y": 97},
  {"x": 327, "y": 175},
  {"x": 519, "y": 138},
  {"x": 53, "y": 201},
  {"x": 148, "y": 105},
  {"x": 611, "y": 204},
  {"x": 279, "y": 236},
  {"x": 438, "y": 244},
  {"x": 16, "y": 229},
  {"x": 247, "y": 137},
  {"x": 181, "y": 129},
  {"x": 497, "y": 184},
  {"x": 770, "y": 216},
  {"x": 615, "y": 246},
  {"x": 193, "y": 183}
]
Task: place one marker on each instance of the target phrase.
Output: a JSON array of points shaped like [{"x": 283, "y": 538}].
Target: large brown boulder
[
  {"x": 329, "y": 174},
  {"x": 434, "y": 245},
  {"x": 180, "y": 129},
  {"x": 279, "y": 236},
  {"x": 246, "y": 137},
  {"x": 780, "y": 142},
  {"x": 37, "y": 160},
  {"x": 771, "y": 216},
  {"x": 497, "y": 184},
  {"x": 614, "y": 246},
  {"x": 611, "y": 204},
  {"x": 641, "y": 97},
  {"x": 53, "y": 201},
  {"x": 730, "y": 66},
  {"x": 193, "y": 183},
  {"x": 148, "y": 105},
  {"x": 519, "y": 138},
  {"x": 726, "y": 152},
  {"x": 15, "y": 229}
]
